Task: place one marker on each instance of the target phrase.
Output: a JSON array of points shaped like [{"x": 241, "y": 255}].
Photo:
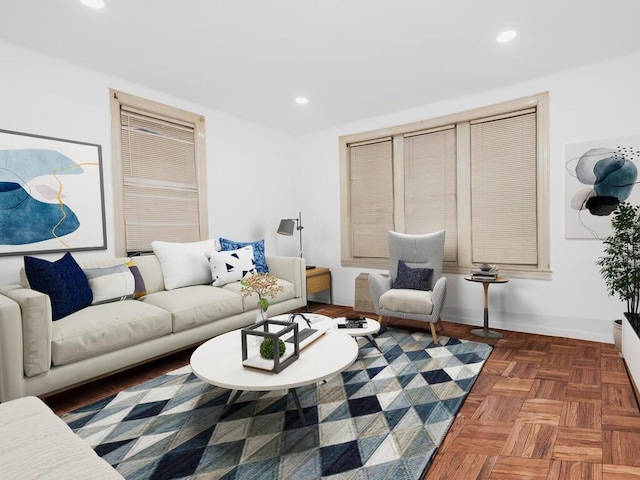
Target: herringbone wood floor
[{"x": 542, "y": 408}]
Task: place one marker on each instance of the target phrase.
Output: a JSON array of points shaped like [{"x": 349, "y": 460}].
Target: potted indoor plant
[{"x": 620, "y": 264}]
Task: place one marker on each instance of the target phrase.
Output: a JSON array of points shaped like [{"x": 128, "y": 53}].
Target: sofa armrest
[
  {"x": 291, "y": 269},
  {"x": 11, "y": 363},
  {"x": 35, "y": 310}
]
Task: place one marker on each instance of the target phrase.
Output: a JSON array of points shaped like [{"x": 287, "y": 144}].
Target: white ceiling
[{"x": 353, "y": 58}]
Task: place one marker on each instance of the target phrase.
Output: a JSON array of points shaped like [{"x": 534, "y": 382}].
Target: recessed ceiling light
[
  {"x": 506, "y": 36},
  {"x": 302, "y": 100},
  {"x": 93, "y": 3}
]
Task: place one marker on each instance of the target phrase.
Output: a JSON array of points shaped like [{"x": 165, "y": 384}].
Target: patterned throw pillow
[
  {"x": 231, "y": 266},
  {"x": 412, "y": 278},
  {"x": 110, "y": 284},
  {"x": 140, "y": 289},
  {"x": 258, "y": 251},
  {"x": 63, "y": 281}
]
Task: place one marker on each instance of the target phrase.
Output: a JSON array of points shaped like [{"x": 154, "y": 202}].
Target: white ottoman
[{"x": 36, "y": 444}]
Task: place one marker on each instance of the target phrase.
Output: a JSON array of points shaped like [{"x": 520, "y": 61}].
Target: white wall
[
  {"x": 592, "y": 103},
  {"x": 251, "y": 171},
  {"x": 247, "y": 192}
]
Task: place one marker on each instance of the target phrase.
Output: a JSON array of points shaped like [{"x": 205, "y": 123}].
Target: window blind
[
  {"x": 430, "y": 186},
  {"x": 503, "y": 190},
  {"x": 371, "y": 178},
  {"x": 160, "y": 181}
]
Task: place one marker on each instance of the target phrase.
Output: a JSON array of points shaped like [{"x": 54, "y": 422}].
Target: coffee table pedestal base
[{"x": 235, "y": 394}]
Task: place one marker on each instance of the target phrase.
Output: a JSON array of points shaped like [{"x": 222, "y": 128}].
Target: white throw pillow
[
  {"x": 232, "y": 265},
  {"x": 184, "y": 264}
]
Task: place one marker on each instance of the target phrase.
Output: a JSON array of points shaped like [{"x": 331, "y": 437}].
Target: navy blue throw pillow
[
  {"x": 258, "y": 251},
  {"x": 412, "y": 278},
  {"x": 64, "y": 282}
]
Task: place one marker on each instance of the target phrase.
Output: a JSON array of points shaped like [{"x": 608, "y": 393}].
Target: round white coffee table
[
  {"x": 219, "y": 362},
  {"x": 373, "y": 326}
]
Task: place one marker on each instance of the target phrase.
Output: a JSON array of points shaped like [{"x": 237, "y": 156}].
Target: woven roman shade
[
  {"x": 371, "y": 178},
  {"x": 160, "y": 181},
  {"x": 503, "y": 189},
  {"x": 430, "y": 186}
]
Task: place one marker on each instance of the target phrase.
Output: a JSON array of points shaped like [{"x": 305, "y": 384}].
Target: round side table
[
  {"x": 485, "y": 332},
  {"x": 367, "y": 332}
]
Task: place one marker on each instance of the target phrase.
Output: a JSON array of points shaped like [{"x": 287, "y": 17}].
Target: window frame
[
  {"x": 462, "y": 121},
  {"x": 163, "y": 112}
]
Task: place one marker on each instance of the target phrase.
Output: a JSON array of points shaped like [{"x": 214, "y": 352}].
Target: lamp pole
[{"x": 300, "y": 227}]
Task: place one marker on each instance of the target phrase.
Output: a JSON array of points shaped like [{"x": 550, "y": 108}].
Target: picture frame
[
  {"x": 51, "y": 195},
  {"x": 601, "y": 170}
]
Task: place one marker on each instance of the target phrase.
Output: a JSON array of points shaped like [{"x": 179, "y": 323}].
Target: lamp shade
[{"x": 286, "y": 227}]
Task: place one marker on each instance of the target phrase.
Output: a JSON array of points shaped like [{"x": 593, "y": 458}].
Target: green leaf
[{"x": 264, "y": 304}]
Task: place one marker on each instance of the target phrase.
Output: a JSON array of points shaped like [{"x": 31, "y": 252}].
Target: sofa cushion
[
  {"x": 184, "y": 264},
  {"x": 63, "y": 281},
  {"x": 408, "y": 301},
  {"x": 196, "y": 305},
  {"x": 151, "y": 271},
  {"x": 231, "y": 266},
  {"x": 250, "y": 302},
  {"x": 258, "y": 251},
  {"x": 103, "y": 328}
]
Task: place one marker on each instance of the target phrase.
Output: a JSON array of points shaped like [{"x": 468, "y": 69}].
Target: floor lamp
[{"x": 289, "y": 225}]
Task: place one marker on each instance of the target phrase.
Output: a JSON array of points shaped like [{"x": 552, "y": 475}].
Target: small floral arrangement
[{"x": 264, "y": 285}]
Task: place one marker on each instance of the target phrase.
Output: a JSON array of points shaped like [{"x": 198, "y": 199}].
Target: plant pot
[
  {"x": 617, "y": 334},
  {"x": 634, "y": 320}
]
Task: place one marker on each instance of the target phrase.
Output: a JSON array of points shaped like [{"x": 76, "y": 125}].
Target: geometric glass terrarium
[{"x": 275, "y": 333}]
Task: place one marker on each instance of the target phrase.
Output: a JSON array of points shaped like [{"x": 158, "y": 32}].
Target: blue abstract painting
[
  {"x": 51, "y": 195},
  {"x": 599, "y": 176}
]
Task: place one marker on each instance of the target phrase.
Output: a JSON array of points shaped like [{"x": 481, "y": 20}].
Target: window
[
  {"x": 480, "y": 175},
  {"x": 159, "y": 174}
]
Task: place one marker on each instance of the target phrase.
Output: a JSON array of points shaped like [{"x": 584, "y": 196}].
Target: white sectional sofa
[{"x": 39, "y": 356}]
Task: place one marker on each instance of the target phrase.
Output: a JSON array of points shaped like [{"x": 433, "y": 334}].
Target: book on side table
[
  {"x": 484, "y": 274},
  {"x": 353, "y": 321}
]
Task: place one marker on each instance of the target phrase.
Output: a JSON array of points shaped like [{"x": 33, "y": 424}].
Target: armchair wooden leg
[{"x": 433, "y": 332}]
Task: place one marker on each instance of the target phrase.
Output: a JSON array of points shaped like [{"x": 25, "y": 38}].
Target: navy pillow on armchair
[
  {"x": 412, "y": 278},
  {"x": 64, "y": 282}
]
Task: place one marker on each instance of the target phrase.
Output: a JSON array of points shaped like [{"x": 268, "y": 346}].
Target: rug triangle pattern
[{"x": 384, "y": 417}]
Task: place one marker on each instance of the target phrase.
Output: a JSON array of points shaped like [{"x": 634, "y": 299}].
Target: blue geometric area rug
[{"x": 384, "y": 417}]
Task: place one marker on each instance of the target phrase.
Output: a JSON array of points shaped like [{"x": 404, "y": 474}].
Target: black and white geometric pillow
[{"x": 231, "y": 266}]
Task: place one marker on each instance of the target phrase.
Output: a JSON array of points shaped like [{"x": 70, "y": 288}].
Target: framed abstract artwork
[
  {"x": 598, "y": 176},
  {"x": 51, "y": 195}
]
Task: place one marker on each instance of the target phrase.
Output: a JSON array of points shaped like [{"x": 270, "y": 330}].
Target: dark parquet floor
[{"x": 542, "y": 408}]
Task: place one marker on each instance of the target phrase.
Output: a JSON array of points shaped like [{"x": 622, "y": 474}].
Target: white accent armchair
[{"x": 417, "y": 252}]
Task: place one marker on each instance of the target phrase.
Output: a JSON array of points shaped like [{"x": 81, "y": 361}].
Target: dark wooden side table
[
  {"x": 485, "y": 332},
  {"x": 318, "y": 280}
]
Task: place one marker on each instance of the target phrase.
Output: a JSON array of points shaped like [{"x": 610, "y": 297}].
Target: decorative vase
[
  {"x": 617, "y": 335},
  {"x": 260, "y": 316}
]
